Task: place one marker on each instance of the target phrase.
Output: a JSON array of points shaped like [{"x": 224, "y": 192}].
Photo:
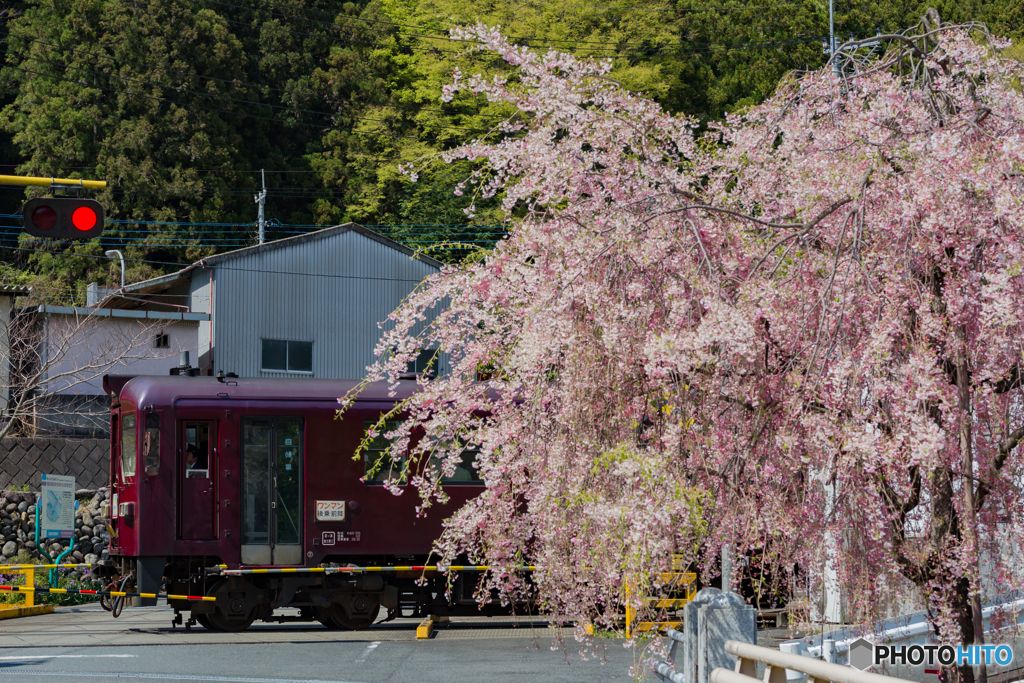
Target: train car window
[
  {"x": 380, "y": 465},
  {"x": 151, "y": 445},
  {"x": 465, "y": 471},
  {"x": 256, "y": 482},
  {"x": 197, "y": 450},
  {"x": 129, "y": 445},
  {"x": 289, "y": 460}
]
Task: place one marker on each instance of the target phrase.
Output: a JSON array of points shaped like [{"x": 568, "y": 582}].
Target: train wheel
[
  {"x": 204, "y": 621},
  {"x": 234, "y": 609},
  {"x": 337, "y": 617},
  {"x": 221, "y": 622},
  {"x": 323, "y": 615}
]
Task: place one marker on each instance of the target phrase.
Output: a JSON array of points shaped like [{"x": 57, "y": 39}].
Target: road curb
[{"x": 24, "y": 611}]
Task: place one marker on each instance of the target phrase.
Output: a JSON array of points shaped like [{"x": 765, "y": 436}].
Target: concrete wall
[
  {"x": 23, "y": 460},
  {"x": 81, "y": 349}
]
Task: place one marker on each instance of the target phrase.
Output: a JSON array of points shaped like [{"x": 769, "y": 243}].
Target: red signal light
[
  {"x": 64, "y": 218},
  {"x": 84, "y": 218},
  {"x": 44, "y": 217}
]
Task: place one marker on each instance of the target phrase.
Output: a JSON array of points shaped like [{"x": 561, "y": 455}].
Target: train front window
[
  {"x": 380, "y": 464},
  {"x": 128, "y": 445},
  {"x": 151, "y": 445},
  {"x": 197, "y": 450}
]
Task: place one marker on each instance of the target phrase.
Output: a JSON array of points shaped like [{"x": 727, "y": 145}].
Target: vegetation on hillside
[{"x": 179, "y": 104}]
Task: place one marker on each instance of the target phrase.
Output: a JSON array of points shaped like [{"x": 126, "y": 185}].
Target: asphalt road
[{"x": 87, "y": 643}]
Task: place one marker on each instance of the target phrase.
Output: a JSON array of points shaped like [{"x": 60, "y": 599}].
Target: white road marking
[
  {"x": 366, "y": 653},
  {"x": 175, "y": 677},
  {"x": 23, "y": 657}
]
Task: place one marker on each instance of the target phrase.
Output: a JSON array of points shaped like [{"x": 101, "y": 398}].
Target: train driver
[{"x": 191, "y": 457}]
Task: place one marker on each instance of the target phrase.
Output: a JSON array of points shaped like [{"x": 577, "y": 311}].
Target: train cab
[{"x": 209, "y": 474}]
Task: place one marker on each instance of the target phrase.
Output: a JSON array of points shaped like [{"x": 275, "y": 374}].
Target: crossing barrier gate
[
  {"x": 29, "y": 606},
  {"x": 679, "y": 586}
]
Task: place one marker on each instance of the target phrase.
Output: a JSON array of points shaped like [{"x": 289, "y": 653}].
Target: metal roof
[
  {"x": 159, "y": 283},
  {"x": 120, "y": 313},
  {"x": 165, "y": 389},
  {"x": 14, "y": 290}
]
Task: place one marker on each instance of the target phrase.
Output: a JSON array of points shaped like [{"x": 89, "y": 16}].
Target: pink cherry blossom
[{"x": 799, "y": 330}]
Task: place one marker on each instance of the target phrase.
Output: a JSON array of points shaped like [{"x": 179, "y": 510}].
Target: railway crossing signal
[{"x": 64, "y": 218}]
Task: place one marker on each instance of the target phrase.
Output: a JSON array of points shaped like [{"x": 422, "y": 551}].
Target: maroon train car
[{"x": 257, "y": 473}]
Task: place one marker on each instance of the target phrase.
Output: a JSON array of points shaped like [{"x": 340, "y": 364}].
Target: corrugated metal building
[{"x": 302, "y": 306}]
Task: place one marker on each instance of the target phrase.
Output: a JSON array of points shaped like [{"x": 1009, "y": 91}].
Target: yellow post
[
  {"x": 630, "y": 612},
  {"x": 52, "y": 182},
  {"x": 30, "y": 582}
]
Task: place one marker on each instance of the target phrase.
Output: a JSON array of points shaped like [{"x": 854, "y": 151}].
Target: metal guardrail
[
  {"x": 666, "y": 671},
  {"x": 776, "y": 663},
  {"x": 834, "y": 646}
]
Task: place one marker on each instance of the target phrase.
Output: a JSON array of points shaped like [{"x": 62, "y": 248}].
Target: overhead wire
[{"x": 243, "y": 270}]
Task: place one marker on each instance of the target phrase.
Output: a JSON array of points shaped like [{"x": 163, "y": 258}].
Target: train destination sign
[
  {"x": 57, "y": 506},
  {"x": 330, "y": 511}
]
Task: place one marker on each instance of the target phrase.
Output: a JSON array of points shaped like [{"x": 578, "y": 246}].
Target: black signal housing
[{"x": 64, "y": 218}]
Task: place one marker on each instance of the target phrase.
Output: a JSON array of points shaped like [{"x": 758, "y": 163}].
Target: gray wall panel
[{"x": 332, "y": 291}]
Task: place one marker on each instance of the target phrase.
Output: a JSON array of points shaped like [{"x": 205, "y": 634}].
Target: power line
[{"x": 241, "y": 270}]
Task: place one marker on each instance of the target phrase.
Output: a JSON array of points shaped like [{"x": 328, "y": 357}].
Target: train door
[
  {"x": 272, "y": 456},
  {"x": 198, "y": 466}
]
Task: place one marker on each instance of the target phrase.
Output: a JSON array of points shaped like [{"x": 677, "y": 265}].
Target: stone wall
[
  {"x": 23, "y": 460},
  {"x": 18, "y": 527}
]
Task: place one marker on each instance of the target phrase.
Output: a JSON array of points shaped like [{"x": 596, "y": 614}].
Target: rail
[{"x": 748, "y": 656}]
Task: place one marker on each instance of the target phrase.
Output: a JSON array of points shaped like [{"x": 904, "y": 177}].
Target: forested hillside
[{"x": 178, "y": 104}]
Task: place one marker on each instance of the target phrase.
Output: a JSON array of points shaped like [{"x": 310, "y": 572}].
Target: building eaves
[
  {"x": 14, "y": 290},
  {"x": 98, "y": 312},
  {"x": 158, "y": 283},
  {"x": 318, "y": 235}
]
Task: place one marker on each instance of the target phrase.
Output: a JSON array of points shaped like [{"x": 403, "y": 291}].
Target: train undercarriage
[{"x": 335, "y": 599}]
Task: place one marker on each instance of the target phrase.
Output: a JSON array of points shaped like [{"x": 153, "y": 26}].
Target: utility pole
[
  {"x": 261, "y": 200},
  {"x": 830, "y": 49}
]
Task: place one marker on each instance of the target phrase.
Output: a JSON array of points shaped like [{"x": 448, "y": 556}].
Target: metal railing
[
  {"x": 776, "y": 663},
  {"x": 666, "y": 671}
]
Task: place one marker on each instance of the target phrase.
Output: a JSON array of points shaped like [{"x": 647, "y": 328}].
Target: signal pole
[
  {"x": 261, "y": 199},
  {"x": 58, "y": 183}
]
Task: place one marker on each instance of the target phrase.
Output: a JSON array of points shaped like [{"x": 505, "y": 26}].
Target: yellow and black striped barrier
[
  {"x": 114, "y": 594},
  {"x": 20, "y": 567},
  {"x": 363, "y": 570}
]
